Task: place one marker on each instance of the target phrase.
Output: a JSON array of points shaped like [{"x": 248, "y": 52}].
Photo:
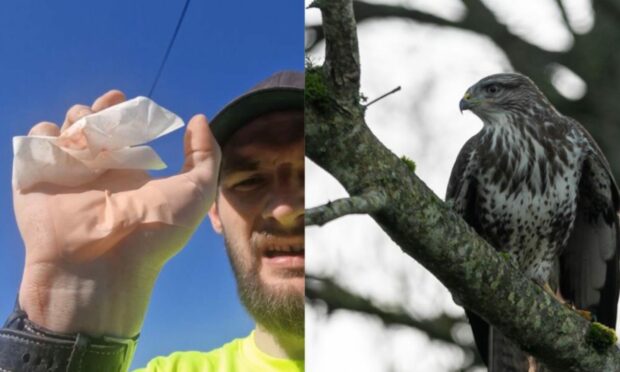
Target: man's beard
[{"x": 276, "y": 308}]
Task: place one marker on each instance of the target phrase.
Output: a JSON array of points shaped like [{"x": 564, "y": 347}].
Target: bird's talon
[
  {"x": 547, "y": 288},
  {"x": 585, "y": 314}
]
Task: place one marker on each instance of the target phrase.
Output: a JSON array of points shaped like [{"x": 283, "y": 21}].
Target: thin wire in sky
[{"x": 174, "y": 36}]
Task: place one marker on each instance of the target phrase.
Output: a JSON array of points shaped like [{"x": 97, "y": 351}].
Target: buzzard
[{"x": 533, "y": 183}]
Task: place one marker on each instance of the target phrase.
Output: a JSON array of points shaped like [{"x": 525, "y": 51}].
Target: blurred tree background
[{"x": 369, "y": 304}]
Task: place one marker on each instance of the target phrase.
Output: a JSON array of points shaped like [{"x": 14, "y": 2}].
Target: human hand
[{"x": 93, "y": 252}]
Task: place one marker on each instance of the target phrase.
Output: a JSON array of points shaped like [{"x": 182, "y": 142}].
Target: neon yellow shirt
[{"x": 239, "y": 355}]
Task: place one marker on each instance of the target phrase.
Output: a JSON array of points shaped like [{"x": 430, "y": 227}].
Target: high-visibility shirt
[{"x": 239, "y": 355}]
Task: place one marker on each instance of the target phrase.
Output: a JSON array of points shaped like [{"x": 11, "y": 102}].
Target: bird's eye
[{"x": 492, "y": 89}]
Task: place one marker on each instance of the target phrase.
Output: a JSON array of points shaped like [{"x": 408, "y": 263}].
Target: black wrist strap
[{"x": 26, "y": 347}]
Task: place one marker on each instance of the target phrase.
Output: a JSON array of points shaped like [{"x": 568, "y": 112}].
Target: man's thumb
[{"x": 202, "y": 153}]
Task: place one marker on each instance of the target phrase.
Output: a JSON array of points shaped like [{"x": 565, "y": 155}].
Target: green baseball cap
[{"x": 282, "y": 91}]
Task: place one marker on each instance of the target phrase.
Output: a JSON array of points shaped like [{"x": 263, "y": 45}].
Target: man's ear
[{"x": 214, "y": 216}]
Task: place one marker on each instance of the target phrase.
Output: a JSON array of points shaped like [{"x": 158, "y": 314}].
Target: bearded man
[{"x": 82, "y": 300}]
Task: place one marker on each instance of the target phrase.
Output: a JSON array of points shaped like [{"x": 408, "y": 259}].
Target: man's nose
[{"x": 286, "y": 207}]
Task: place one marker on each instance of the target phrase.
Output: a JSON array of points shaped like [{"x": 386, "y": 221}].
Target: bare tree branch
[
  {"x": 526, "y": 57},
  {"x": 383, "y": 96},
  {"x": 370, "y": 202},
  {"x": 364, "y": 11},
  {"x": 440, "y": 328},
  {"x": 564, "y": 15},
  {"x": 337, "y": 298},
  {"x": 339, "y": 141},
  {"x": 315, "y": 35}
]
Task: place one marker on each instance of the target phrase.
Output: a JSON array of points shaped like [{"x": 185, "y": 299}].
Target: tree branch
[
  {"x": 370, "y": 202},
  {"x": 564, "y": 15},
  {"x": 339, "y": 26},
  {"x": 336, "y": 297},
  {"x": 439, "y": 328},
  {"x": 364, "y": 11},
  {"x": 383, "y": 96},
  {"x": 316, "y": 32},
  {"x": 338, "y": 140}
]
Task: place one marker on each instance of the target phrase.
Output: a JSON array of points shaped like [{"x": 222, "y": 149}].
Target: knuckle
[
  {"x": 43, "y": 127},
  {"x": 76, "y": 111}
]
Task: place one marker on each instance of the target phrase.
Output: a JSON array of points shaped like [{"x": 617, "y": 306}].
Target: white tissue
[{"x": 105, "y": 140}]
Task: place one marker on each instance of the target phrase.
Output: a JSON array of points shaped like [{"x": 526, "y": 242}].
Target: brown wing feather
[
  {"x": 461, "y": 194},
  {"x": 589, "y": 272}
]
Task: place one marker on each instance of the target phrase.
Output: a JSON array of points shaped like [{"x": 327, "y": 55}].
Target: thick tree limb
[
  {"x": 338, "y": 140},
  {"x": 363, "y": 204},
  {"x": 344, "y": 75}
]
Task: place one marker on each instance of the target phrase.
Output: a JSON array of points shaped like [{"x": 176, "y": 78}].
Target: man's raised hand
[{"x": 93, "y": 252}]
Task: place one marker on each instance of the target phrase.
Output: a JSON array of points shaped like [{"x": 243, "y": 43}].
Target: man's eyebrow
[{"x": 236, "y": 162}]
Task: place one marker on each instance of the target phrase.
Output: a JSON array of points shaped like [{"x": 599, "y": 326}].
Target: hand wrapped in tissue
[{"x": 97, "y": 229}]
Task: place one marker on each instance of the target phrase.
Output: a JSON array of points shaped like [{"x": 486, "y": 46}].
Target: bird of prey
[{"x": 533, "y": 183}]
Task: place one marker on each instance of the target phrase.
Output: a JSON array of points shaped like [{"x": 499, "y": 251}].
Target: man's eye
[
  {"x": 492, "y": 89},
  {"x": 248, "y": 184}
]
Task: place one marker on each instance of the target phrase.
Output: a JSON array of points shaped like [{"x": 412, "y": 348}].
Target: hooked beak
[{"x": 465, "y": 103}]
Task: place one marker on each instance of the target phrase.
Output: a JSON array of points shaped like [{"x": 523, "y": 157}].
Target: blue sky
[{"x": 56, "y": 54}]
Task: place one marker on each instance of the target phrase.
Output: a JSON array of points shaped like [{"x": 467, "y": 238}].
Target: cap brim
[{"x": 245, "y": 108}]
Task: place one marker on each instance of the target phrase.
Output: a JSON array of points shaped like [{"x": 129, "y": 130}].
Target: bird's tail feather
[{"x": 505, "y": 356}]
